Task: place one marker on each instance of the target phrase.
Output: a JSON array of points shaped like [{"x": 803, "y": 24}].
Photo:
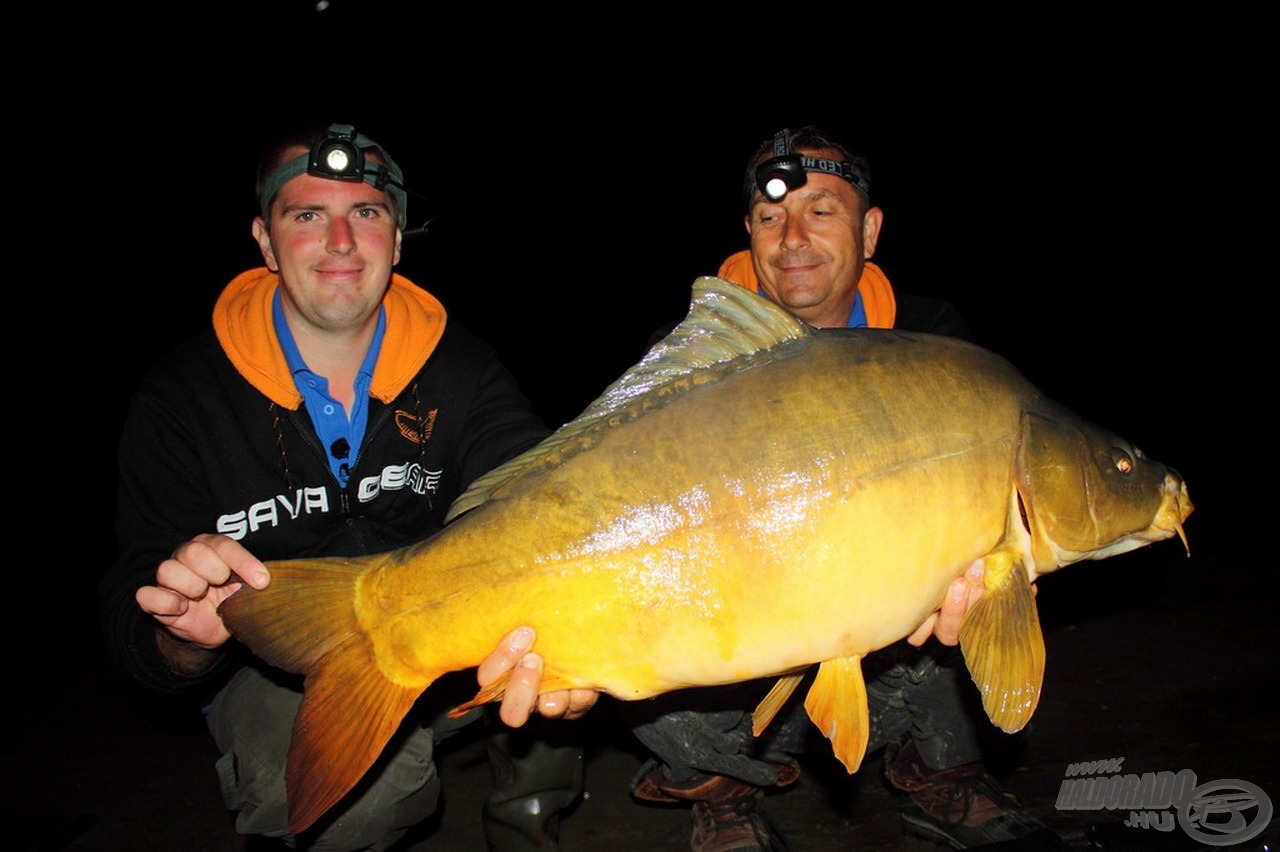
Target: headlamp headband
[
  {"x": 786, "y": 171},
  {"x": 341, "y": 155}
]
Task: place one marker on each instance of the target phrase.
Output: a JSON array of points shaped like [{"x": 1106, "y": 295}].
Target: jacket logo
[
  {"x": 273, "y": 512},
  {"x": 410, "y": 428}
]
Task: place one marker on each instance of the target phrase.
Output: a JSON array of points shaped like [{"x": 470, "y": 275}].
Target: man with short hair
[
  {"x": 813, "y": 231},
  {"x": 333, "y": 409}
]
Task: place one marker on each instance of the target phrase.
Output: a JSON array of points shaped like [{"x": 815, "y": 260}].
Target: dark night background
[{"x": 1088, "y": 192}]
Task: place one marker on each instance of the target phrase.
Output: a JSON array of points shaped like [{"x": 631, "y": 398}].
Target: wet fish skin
[{"x": 754, "y": 497}]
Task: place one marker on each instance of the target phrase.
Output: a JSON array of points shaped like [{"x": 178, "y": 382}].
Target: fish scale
[{"x": 755, "y": 497}]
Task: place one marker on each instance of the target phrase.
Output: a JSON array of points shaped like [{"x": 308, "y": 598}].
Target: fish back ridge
[{"x": 725, "y": 326}]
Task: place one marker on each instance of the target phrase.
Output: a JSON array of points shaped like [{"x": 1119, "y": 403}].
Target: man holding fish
[
  {"x": 332, "y": 409},
  {"x": 813, "y": 230}
]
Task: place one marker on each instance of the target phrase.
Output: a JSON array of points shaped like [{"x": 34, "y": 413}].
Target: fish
[{"x": 752, "y": 498}]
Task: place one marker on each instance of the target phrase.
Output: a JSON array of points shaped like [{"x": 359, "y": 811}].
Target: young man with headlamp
[
  {"x": 813, "y": 231},
  {"x": 332, "y": 409}
]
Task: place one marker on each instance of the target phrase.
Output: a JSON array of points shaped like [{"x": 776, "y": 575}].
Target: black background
[
  {"x": 1090, "y": 194},
  {"x": 1092, "y": 190}
]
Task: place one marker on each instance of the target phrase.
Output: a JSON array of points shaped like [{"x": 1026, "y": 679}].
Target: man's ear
[
  {"x": 871, "y": 222},
  {"x": 263, "y": 236}
]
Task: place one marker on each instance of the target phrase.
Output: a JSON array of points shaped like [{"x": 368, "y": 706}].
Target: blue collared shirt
[{"x": 339, "y": 434}]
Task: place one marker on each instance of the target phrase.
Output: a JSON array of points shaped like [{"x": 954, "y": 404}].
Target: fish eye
[{"x": 1122, "y": 460}]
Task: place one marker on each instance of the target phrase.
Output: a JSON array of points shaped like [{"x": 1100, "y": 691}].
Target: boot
[
  {"x": 962, "y": 806},
  {"x": 537, "y": 776},
  {"x": 727, "y": 813}
]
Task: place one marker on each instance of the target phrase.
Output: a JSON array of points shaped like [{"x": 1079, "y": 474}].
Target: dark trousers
[
  {"x": 921, "y": 694},
  {"x": 251, "y": 720}
]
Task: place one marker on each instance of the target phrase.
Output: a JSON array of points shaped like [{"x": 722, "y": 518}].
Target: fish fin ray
[
  {"x": 769, "y": 706},
  {"x": 491, "y": 691},
  {"x": 305, "y": 621},
  {"x": 307, "y": 611},
  {"x": 1003, "y": 644},
  {"x": 837, "y": 704},
  {"x": 726, "y": 322},
  {"x": 349, "y": 711}
]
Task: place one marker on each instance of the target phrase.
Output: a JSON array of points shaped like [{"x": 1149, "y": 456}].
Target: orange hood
[
  {"x": 242, "y": 319},
  {"x": 873, "y": 286}
]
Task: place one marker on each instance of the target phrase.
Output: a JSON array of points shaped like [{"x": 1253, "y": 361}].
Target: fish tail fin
[
  {"x": 837, "y": 704},
  {"x": 349, "y": 711},
  {"x": 1003, "y": 644},
  {"x": 306, "y": 622}
]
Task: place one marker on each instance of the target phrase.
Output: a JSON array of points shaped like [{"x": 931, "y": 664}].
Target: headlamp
[
  {"x": 340, "y": 155},
  {"x": 786, "y": 171}
]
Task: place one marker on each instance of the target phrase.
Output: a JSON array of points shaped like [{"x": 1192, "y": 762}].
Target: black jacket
[{"x": 205, "y": 451}]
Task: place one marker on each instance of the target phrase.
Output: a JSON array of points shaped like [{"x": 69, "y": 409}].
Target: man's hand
[
  {"x": 201, "y": 574},
  {"x": 521, "y": 699},
  {"x": 945, "y": 623},
  {"x": 963, "y": 593}
]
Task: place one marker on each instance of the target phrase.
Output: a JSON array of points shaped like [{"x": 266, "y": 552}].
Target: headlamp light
[
  {"x": 340, "y": 155},
  {"x": 336, "y": 160},
  {"x": 778, "y": 176},
  {"x": 786, "y": 171}
]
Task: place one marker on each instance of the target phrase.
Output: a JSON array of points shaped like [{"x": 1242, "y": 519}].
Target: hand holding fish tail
[
  {"x": 188, "y": 588},
  {"x": 522, "y": 672}
]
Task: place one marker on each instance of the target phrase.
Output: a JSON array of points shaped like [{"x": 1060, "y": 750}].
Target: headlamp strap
[
  {"x": 839, "y": 168},
  {"x": 780, "y": 146},
  {"x": 784, "y": 164}
]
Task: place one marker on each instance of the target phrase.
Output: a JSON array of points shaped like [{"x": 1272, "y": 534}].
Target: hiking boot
[
  {"x": 963, "y": 806},
  {"x": 727, "y": 813}
]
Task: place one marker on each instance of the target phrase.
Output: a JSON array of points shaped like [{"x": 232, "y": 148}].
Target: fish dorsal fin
[{"x": 726, "y": 323}]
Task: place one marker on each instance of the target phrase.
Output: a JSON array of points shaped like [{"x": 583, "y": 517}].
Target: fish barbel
[{"x": 754, "y": 497}]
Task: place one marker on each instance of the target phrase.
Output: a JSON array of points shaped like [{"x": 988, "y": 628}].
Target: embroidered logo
[{"x": 412, "y": 429}]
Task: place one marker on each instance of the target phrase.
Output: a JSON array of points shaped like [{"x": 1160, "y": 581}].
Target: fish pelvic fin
[
  {"x": 1002, "y": 643},
  {"x": 492, "y": 691},
  {"x": 769, "y": 706},
  {"x": 837, "y": 704},
  {"x": 306, "y": 622},
  {"x": 725, "y": 326}
]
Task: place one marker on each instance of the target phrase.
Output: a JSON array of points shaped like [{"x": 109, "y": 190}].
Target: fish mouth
[{"x": 1174, "y": 509}]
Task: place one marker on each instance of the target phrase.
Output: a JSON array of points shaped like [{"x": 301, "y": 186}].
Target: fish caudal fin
[
  {"x": 305, "y": 622},
  {"x": 769, "y": 706},
  {"x": 1003, "y": 645},
  {"x": 349, "y": 711},
  {"x": 837, "y": 704}
]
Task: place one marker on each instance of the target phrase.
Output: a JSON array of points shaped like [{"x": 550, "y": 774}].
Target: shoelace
[
  {"x": 977, "y": 786},
  {"x": 745, "y": 808}
]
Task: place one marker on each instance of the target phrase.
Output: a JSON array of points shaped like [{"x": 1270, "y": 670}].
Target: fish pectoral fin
[
  {"x": 491, "y": 691},
  {"x": 769, "y": 706},
  {"x": 1003, "y": 645},
  {"x": 349, "y": 711},
  {"x": 837, "y": 704}
]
